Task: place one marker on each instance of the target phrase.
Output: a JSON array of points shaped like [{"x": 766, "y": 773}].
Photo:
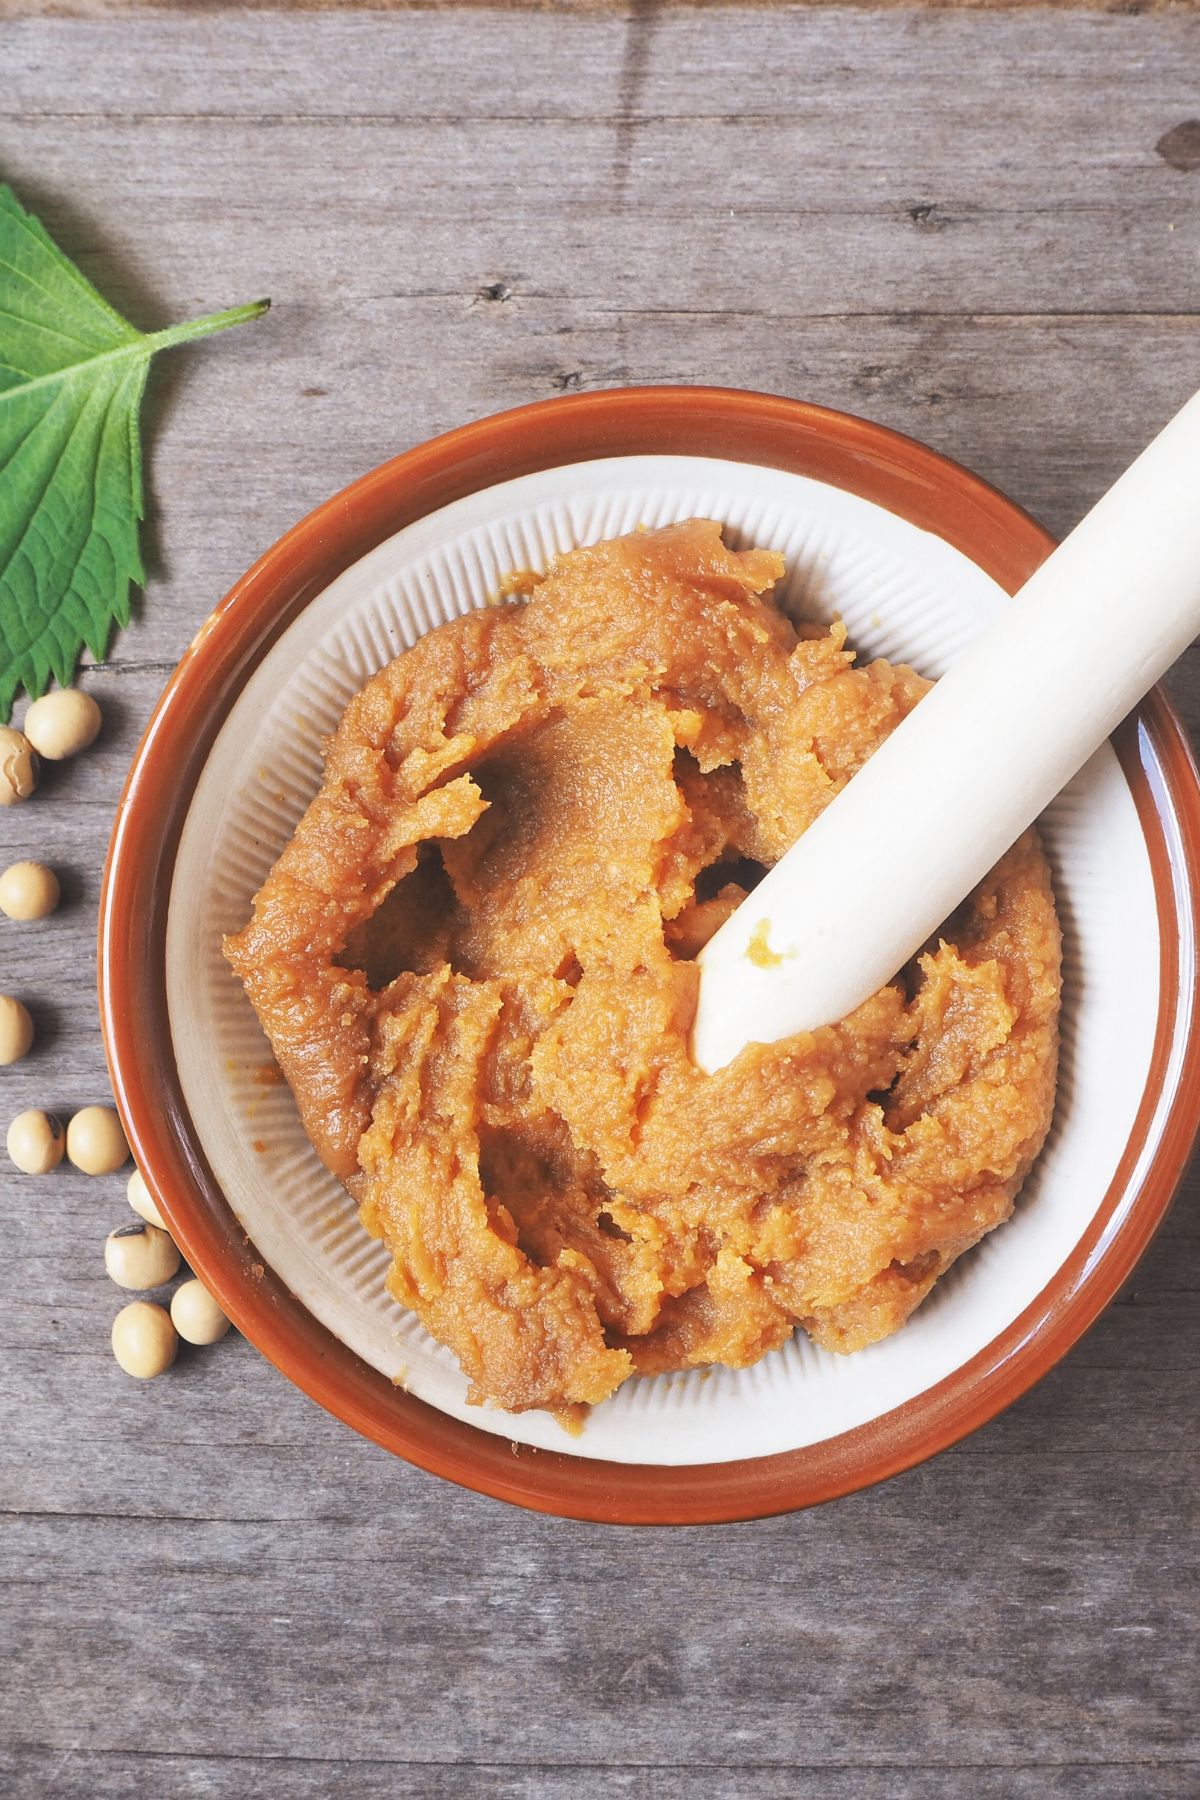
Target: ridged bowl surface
[{"x": 904, "y": 594}]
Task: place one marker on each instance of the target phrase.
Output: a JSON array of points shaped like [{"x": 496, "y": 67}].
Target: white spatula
[{"x": 976, "y": 762}]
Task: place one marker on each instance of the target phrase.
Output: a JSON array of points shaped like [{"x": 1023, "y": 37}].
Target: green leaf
[{"x": 72, "y": 373}]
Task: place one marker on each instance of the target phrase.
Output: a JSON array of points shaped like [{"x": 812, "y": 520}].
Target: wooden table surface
[{"x": 981, "y": 228}]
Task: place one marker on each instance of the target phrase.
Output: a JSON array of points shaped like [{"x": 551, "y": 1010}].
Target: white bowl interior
[{"x": 904, "y": 594}]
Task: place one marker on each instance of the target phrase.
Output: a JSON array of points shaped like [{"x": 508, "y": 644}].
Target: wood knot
[
  {"x": 1180, "y": 147},
  {"x": 926, "y": 216}
]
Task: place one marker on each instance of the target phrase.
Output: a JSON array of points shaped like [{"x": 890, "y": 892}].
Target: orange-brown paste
[{"x": 473, "y": 962}]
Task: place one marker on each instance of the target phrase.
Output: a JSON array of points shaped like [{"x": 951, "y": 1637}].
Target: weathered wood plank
[
  {"x": 895, "y": 1628},
  {"x": 755, "y": 120},
  {"x": 78, "y": 1776},
  {"x": 106, "y": 9},
  {"x": 755, "y": 63}
]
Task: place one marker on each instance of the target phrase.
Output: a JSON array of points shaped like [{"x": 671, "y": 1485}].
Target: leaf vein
[
  {"x": 40, "y": 287},
  {"x": 35, "y": 525},
  {"x": 68, "y": 370},
  {"x": 36, "y": 231}
]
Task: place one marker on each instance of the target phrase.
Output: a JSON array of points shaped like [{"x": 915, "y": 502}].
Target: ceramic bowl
[{"x": 916, "y": 553}]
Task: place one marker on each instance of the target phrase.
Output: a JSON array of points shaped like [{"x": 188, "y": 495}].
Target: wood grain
[{"x": 963, "y": 226}]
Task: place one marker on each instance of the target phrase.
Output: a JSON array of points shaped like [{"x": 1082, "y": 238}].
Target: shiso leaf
[{"x": 72, "y": 375}]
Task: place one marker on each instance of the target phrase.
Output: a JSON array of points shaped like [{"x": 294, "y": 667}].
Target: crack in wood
[{"x": 635, "y": 62}]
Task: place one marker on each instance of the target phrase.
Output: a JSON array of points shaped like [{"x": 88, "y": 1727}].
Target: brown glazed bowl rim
[{"x": 894, "y": 471}]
